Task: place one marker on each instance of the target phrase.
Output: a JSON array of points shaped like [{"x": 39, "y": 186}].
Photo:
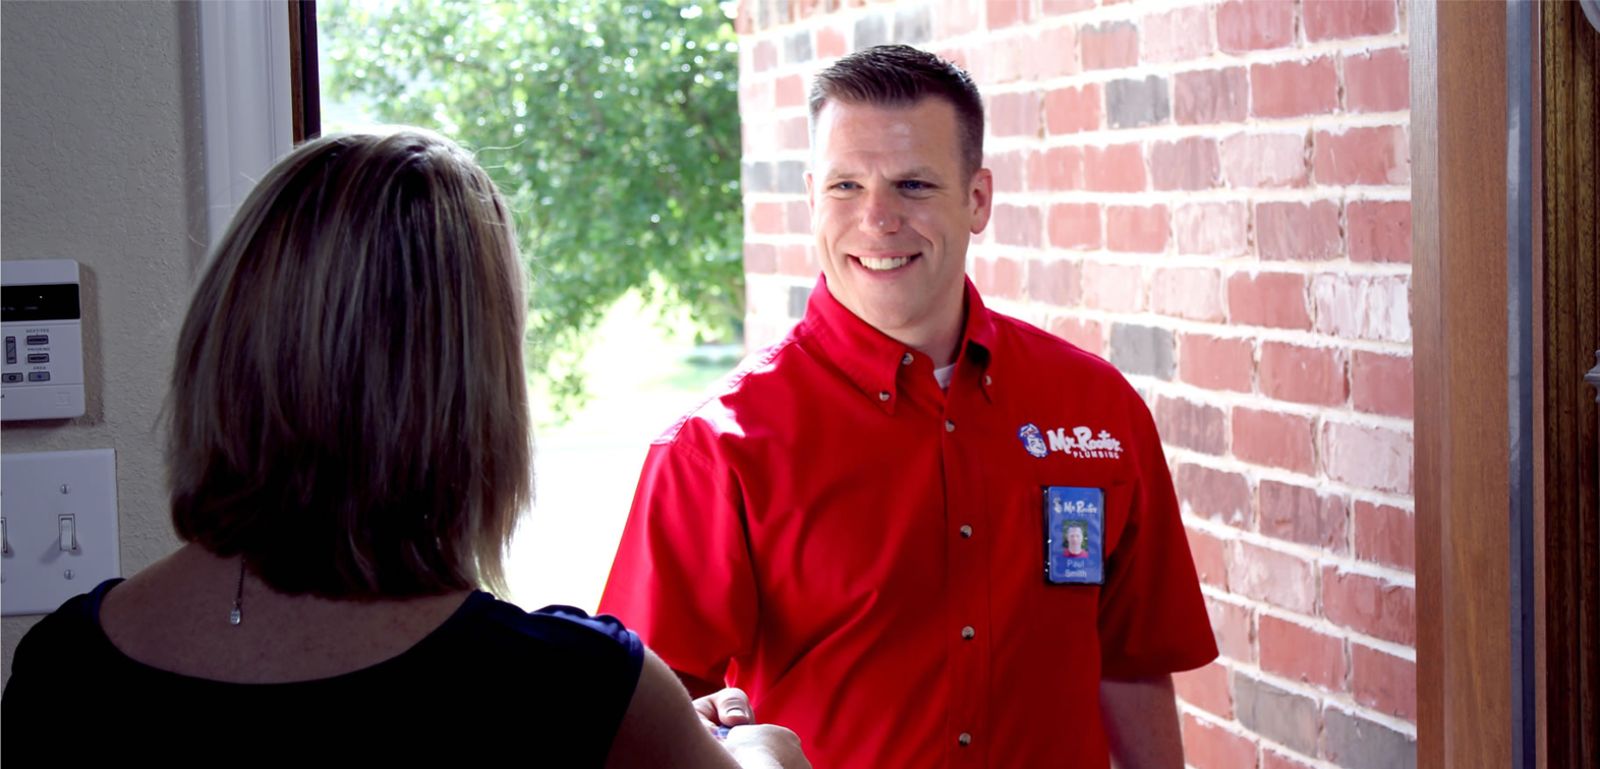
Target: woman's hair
[{"x": 348, "y": 410}]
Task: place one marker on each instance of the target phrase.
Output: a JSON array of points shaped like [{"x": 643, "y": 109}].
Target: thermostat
[{"x": 43, "y": 373}]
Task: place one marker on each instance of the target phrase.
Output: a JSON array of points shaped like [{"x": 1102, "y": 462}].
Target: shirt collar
[{"x": 873, "y": 360}]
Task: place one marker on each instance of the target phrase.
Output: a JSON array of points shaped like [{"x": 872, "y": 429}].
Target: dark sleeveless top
[{"x": 546, "y": 688}]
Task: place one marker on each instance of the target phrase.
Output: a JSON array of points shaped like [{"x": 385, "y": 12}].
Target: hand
[
  {"x": 729, "y": 707},
  {"x": 764, "y": 746}
]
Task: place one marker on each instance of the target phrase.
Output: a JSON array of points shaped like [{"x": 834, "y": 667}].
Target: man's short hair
[
  {"x": 348, "y": 410},
  {"x": 901, "y": 76}
]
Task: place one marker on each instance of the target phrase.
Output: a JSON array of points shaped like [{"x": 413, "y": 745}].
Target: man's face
[
  {"x": 893, "y": 210},
  {"x": 1075, "y": 540}
]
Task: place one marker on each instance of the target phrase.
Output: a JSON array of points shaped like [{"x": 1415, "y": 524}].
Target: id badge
[{"x": 1074, "y": 543}]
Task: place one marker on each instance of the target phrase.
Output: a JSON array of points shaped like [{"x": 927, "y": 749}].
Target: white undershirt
[{"x": 944, "y": 375}]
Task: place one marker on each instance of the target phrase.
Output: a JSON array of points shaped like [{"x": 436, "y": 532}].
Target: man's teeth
[{"x": 884, "y": 264}]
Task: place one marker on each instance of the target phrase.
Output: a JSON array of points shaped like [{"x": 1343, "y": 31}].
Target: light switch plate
[{"x": 46, "y": 498}]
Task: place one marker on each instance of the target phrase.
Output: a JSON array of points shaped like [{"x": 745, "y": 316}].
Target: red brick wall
[{"x": 1216, "y": 198}]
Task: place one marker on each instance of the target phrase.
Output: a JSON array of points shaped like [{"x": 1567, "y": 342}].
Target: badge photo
[{"x": 1074, "y": 523}]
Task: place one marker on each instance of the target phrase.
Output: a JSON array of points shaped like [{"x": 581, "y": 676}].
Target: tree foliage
[{"x": 611, "y": 125}]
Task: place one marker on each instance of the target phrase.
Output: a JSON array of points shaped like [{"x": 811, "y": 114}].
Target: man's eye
[
  {"x": 846, "y": 186},
  {"x": 914, "y": 185}
]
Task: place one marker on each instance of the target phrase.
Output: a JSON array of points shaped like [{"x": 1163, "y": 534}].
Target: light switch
[{"x": 60, "y": 526}]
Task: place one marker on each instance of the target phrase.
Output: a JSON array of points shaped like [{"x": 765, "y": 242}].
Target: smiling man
[{"x": 862, "y": 528}]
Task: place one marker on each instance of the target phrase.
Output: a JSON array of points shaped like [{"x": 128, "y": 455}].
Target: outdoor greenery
[{"x": 612, "y": 126}]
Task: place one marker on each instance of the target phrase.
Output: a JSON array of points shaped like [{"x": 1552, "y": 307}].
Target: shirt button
[
  {"x": 964, "y": 739},
  {"x": 906, "y": 359},
  {"x": 966, "y": 532},
  {"x": 883, "y": 396},
  {"x": 967, "y": 633},
  {"x": 987, "y": 381},
  {"x": 949, "y": 426}
]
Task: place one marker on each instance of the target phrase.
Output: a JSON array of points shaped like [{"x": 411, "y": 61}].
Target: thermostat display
[{"x": 42, "y": 319}]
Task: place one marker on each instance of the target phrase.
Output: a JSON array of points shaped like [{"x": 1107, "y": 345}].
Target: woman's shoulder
[{"x": 556, "y": 633}]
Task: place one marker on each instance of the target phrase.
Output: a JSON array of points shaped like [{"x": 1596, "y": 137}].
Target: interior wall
[{"x": 100, "y": 152}]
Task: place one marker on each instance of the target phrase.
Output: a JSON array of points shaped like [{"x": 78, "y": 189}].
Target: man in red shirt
[{"x": 864, "y": 528}]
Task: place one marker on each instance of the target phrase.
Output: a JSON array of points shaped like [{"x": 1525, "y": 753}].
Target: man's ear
[
  {"x": 980, "y": 195},
  {"x": 811, "y": 196}
]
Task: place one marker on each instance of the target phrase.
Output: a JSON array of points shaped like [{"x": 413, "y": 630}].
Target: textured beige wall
[{"x": 100, "y": 141}]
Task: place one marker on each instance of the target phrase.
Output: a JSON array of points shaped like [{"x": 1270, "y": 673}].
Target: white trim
[{"x": 245, "y": 69}]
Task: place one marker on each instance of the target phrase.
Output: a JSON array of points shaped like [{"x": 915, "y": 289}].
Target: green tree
[{"x": 612, "y": 126}]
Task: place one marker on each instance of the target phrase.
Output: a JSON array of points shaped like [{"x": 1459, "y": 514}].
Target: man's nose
[{"x": 881, "y": 215}]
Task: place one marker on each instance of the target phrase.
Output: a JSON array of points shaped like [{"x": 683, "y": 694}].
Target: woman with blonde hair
[{"x": 348, "y": 452}]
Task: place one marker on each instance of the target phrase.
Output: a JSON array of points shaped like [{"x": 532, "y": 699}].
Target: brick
[
  {"x": 1210, "y": 96},
  {"x": 954, "y": 18},
  {"x": 798, "y": 297},
  {"x": 1210, "y": 563},
  {"x": 1350, "y": 740},
  {"x": 1000, "y": 277},
  {"x": 1057, "y": 281},
  {"x": 1381, "y": 384},
  {"x": 1137, "y": 229},
  {"x": 1007, "y": 168},
  {"x": 1289, "y": 719},
  {"x": 764, "y": 56},
  {"x": 1273, "y": 299},
  {"x": 1114, "y": 168},
  {"x": 1297, "y": 374},
  {"x": 1362, "y": 307},
  {"x": 831, "y": 43},
  {"x": 1338, "y": 19},
  {"x": 1016, "y": 59},
  {"x": 1135, "y": 103},
  {"x": 794, "y": 134},
  {"x": 1074, "y": 226},
  {"x": 758, "y": 177},
  {"x": 766, "y": 219},
  {"x": 1087, "y": 335},
  {"x": 791, "y": 177},
  {"x": 871, "y": 30},
  {"x": 1377, "y": 81},
  {"x": 1274, "y": 439},
  {"x": 1283, "y": 580},
  {"x": 797, "y": 217},
  {"x": 1385, "y": 535},
  {"x": 1294, "y": 88},
  {"x": 1212, "y": 229},
  {"x": 1369, "y": 605},
  {"x": 1178, "y": 35},
  {"x": 1252, "y": 161},
  {"x": 1216, "y": 363},
  {"x": 1368, "y": 457},
  {"x": 1194, "y": 426},
  {"x": 1301, "y": 514},
  {"x": 1299, "y": 653},
  {"x": 755, "y": 96},
  {"x": 913, "y": 26},
  {"x": 1299, "y": 231},
  {"x": 1371, "y": 155},
  {"x": 797, "y": 260},
  {"x": 1141, "y": 350},
  {"x": 797, "y": 47},
  {"x": 1110, "y": 45},
  {"x": 1071, "y": 110},
  {"x": 1018, "y": 226},
  {"x": 1194, "y": 293},
  {"x": 760, "y": 258},
  {"x": 1014, "y": 114},
  {"x": 1208, "y": 746},
  {"x": 1273, "y": 759},
  {"x": 1216, "y": 495},
  {"x": 1234, "y": 628},
  {"x": 1253, "y": 25},
  {"x": 1383, "y": 682},
  {"x": 1057, "y": 168},
  {"x": 1060, "y": 45},
  {"x": 1006, "y": 13},
  {"x": 1380, "y": 230},
  {"x": 1207, "y": 689},
  {"x": 1113, "y": 287},
  {"x": 1185, "y": 164},
  {"x": 1062, "y": 7},
  {"x": 789, "y": 91}
]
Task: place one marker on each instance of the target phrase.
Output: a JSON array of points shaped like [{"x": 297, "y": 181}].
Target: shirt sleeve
[
  {"x": 682, "y": 578},
  {"x": 1153, "y": 618}
]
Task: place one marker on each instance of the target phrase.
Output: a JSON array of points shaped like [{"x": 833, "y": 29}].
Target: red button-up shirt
[{"x": 864, "y": 552}]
